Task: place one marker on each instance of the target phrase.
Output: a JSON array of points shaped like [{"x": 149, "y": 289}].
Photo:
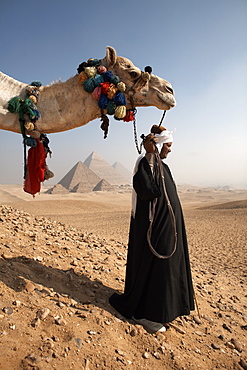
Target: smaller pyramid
[
  {"x": 126, "y": 174},
  {"x": 82, "y": 187},
  {"x": 80, "y": 173},
  {"x": 103, "y": 185},
  {"x": 57, "y": 189}
]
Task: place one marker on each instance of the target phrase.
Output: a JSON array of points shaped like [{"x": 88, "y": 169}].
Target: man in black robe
[{"x": 158, "y": 283}]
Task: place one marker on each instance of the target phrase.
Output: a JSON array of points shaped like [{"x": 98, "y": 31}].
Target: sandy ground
[{"x": 62, "y": 256}]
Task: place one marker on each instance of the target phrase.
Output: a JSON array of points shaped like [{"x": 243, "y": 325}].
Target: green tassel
[{"x": 14, "y": 105}]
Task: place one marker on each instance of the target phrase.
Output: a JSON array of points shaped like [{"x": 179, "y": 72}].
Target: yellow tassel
[
  {"x": 33, "y": 99},
  {"x": 120, "y": 111},
  {"x": 91, "y": 72},
  {"x": 121, "y": 86},
  {"x": 29, "y": 126}
]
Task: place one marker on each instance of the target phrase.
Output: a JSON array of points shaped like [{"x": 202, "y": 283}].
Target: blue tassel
[
  {"x": 89, "y": 85},
  {"x": 29, "y": 141},
  {"x": 119, "y": 98},
  {"x": 110, "y": 107},
  {"x": 108, "y": 75},
  {"x": 98, "y": 79},
  {"x": 115, "y": 80},
  {"x": 103, "y": 101}
]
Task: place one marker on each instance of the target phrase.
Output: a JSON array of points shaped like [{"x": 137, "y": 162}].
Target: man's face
[{"x": 165, "y": 150}]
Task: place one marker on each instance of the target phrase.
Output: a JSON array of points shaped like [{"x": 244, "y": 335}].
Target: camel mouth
[{"x": 167, "y": 99}]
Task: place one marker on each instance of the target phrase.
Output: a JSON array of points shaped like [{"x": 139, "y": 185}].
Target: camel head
[{"x": 154, "y": 92}]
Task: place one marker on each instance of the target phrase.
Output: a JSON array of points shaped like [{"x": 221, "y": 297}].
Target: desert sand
[{"x": 62, "y": 256}]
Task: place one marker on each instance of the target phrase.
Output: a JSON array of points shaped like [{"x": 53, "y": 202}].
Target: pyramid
[
  {"x": 82, "y": 187},
  {"x": 103, "y": 169},
  {"x": 127, "y": 175},
  {"x": 57, "y": 189},
  {"x": 80, "y": 173},
  {"x": 103, "y": 185}
]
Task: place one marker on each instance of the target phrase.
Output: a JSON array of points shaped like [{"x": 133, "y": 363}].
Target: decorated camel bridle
[{"x": 111, "y": 93}]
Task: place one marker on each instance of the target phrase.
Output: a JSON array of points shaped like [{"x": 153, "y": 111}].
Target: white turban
[{"x": 164, "y": 137}]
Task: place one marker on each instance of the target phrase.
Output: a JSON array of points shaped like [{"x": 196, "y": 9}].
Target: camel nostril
[{"x": 170, "y": 90}]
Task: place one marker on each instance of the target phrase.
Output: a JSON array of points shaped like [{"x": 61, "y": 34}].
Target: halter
[{"x": 131, "y": 99}]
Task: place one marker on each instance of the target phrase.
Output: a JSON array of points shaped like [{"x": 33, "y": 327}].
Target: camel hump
[{"x": 9, "y": 87}]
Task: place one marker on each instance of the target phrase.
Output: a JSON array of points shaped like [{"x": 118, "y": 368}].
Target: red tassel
[
  {"x": 130, "y": 116},
  {"x": 105, "y": 87},
  {"x": 35, "y": 169}
]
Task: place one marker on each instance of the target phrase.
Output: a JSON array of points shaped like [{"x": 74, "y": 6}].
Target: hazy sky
[{"x": 199, "y": 46}]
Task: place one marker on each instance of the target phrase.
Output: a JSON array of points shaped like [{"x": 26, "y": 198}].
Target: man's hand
[{"x": 149, "y": 143}]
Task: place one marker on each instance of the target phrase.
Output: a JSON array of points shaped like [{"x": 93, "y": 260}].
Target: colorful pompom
[
  {"x": 105, "y": 87},
  {"x": 115, "y": 80},
  {"x": 91, "y": 72},
  {"x": 14, "y": 105},
  {"x": 96, "y": 93},
  {"x": 81, "y": 67},
  {"x": 130, "y": 116},
  {"x": 37, "y": 115},
  {"x": 120, "y": 112},
  {"x": 108, "y": 75},
  {"x": 111, "y": 107},
  {"x": 119, "y": 98},
  {"x": 33, "y": 99},
  {"x": 103, "y": 101},
  {"x": 35, "y": 134},
  {"x": 36, "y": 83},
  {"x": 102, "y": 69},
  {"x": 98, "y": 79},
  {"x": 89, "y": 85},
  {"x": 93, "y": 62},
  {"x": 121, "y": 86},
  {"x": 32, "y": 90},
  {"x": 29, "y": 141},
  {"x": 29, "y": 126},
  {"x": 82, "y": 77},
  {"x": 112, "y": 91}
]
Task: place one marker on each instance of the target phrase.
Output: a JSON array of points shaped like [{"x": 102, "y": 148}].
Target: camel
[{"x": 66, "y": 105}]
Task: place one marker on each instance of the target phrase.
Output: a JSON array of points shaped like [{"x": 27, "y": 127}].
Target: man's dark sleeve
[{"x": 144, "y": 182}]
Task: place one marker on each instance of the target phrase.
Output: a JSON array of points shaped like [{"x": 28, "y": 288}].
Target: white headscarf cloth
[{"x": 163, "y": 138}]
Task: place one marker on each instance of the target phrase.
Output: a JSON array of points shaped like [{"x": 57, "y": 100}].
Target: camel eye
[{"x": 133, "y": 75}]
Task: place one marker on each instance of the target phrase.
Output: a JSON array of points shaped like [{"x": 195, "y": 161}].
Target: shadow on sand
[{"x": 14, "y": 273}]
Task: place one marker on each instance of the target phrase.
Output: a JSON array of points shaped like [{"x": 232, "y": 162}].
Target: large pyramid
[
  {"x": 104, "y": 170},
  {"x": 127, "y": 175},
  {"x": 80, "y": 174}
]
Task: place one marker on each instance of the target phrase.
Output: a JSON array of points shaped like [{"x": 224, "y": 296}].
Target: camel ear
[{"x": 111, "y": 56}]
